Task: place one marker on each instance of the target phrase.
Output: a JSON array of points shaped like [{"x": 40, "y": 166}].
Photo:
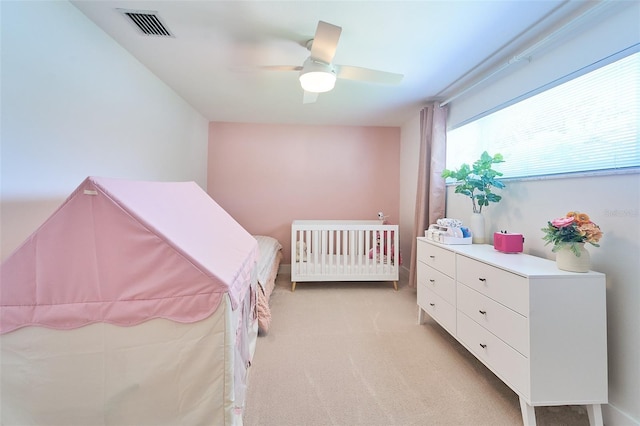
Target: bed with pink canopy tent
[{"x": 133, "y": 303}]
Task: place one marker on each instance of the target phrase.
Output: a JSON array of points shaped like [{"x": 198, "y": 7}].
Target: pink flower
[
  {"x": 572, "y": 229},
  {"x": 562, "y": 222}
]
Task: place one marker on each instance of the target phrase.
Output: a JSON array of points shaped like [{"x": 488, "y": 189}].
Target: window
[{"x": 586, "y": 124}]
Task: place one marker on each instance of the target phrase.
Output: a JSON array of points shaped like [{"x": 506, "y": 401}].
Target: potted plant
[
  {"x": 477, "y": 182},
  {"x": 568, "y": 235}
]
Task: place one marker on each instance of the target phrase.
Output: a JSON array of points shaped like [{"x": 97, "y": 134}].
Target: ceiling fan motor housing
[{"x": 317, "y": 77}]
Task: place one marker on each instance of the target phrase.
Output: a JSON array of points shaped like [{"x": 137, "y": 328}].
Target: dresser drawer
[
  {"x": 438, "y": 258},
  {"x": 508, "y": 325},
  {"x": 505, "y": 287},
  {"x": 437, "y": 308},
  {"x": 441, "y": 284},
  {"x": 511, "y": 366}
]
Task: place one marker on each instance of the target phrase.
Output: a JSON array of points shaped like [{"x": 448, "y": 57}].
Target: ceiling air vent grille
[{"x": 147, "y": 22}]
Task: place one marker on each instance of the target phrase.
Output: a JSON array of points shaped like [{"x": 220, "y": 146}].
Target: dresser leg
[
  {"x": 528, "y": 413},
  {"x": 595, "y": 414},
  {"x": 420, "y": 315}
]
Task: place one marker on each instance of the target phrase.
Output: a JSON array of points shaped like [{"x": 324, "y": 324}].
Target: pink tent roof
[{"x": 124, "y": 252}]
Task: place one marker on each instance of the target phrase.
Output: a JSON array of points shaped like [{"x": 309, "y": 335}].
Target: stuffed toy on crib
[
  {"x": 301, "y": 251},
  {"x": 381, "y": 241}
]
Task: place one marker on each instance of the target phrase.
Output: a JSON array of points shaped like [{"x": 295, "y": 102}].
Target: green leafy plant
[{"x": 477, "y": 181}]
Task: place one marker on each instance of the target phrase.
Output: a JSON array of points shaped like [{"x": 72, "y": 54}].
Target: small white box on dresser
[{"x": 541, "y": 330}]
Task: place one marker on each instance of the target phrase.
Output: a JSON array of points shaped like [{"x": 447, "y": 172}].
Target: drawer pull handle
[
  {"x": 433, "y": 281},
  {"x": 482, "y": 279},
  {"x": 483, "y": 346},
  {"x": 483, "y": 312},
  {"x": 432, "y": 304},
  {"x": 432, "y": 256}
]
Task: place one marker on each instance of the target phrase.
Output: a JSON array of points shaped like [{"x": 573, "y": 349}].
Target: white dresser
[{"x": 541, "y": 330}]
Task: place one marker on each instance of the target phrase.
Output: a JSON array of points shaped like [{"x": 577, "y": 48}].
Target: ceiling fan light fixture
[
  {"x": 317, "y": 81},
  {"x": 317, "y": 77}
]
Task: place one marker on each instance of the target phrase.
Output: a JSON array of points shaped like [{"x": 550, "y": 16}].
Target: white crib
[{"x": 344, "y": 250}]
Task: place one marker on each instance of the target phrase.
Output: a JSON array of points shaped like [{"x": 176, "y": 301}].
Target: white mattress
[{"x": 268, "y": 248}]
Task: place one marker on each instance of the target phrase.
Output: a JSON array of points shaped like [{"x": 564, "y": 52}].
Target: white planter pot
[
  {"x": 568, "y": 261},
  {"x": 477, "y": 228}
]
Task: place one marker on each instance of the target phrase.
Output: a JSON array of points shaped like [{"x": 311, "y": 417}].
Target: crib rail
[{"x": 344, "y": 251}]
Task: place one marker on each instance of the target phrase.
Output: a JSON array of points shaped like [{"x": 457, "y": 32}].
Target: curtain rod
[{"x": 526, "y": 53}]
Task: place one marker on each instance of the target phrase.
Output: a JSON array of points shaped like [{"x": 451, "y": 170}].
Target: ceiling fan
[{"x": 318, "y": 74}]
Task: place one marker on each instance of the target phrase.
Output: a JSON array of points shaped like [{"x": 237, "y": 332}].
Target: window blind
[{"x": 586, "y": 124}]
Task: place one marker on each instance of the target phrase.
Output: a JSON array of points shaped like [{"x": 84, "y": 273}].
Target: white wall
[
  {"x": 75, "y": 104},
  {"x": 612, "y": 201}
]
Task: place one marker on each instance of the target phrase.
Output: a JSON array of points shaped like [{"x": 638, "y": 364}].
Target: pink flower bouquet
[{"x": 574, "y": 228}]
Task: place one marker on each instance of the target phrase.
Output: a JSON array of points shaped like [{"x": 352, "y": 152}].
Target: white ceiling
[{"x": 212, "y": 62}]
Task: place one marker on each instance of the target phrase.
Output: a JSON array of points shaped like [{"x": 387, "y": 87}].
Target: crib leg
[
  {"x": 395, "y": 285},
  {"x": 293, "y": 286}
]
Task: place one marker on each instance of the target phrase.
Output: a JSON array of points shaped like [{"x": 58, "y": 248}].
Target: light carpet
[{"x": 353, "y": 354}]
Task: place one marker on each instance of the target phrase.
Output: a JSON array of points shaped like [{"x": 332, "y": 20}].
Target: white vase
[
  {"x": 477, "y": 228},
  {"x": 567, "y": 260}
]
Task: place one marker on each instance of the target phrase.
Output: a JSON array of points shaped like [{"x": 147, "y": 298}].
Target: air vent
[{"x": 147, "y": 22}]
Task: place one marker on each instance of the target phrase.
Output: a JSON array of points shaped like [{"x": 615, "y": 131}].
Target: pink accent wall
[{"x": 267, "y": 175}]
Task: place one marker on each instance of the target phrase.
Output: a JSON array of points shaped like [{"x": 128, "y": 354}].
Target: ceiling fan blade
[
  {"x": 309, "y": 97},
  {"x": 365, "y": 74},
  {"x": 325, "y": 42},
  {"x": 281, "y": 67}
]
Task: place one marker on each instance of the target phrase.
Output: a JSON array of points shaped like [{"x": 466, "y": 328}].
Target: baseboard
[
  {"x": 284, "y": 268},
  {"x": 404, "y": 274},
  {"x": 612, "y": 416}
]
